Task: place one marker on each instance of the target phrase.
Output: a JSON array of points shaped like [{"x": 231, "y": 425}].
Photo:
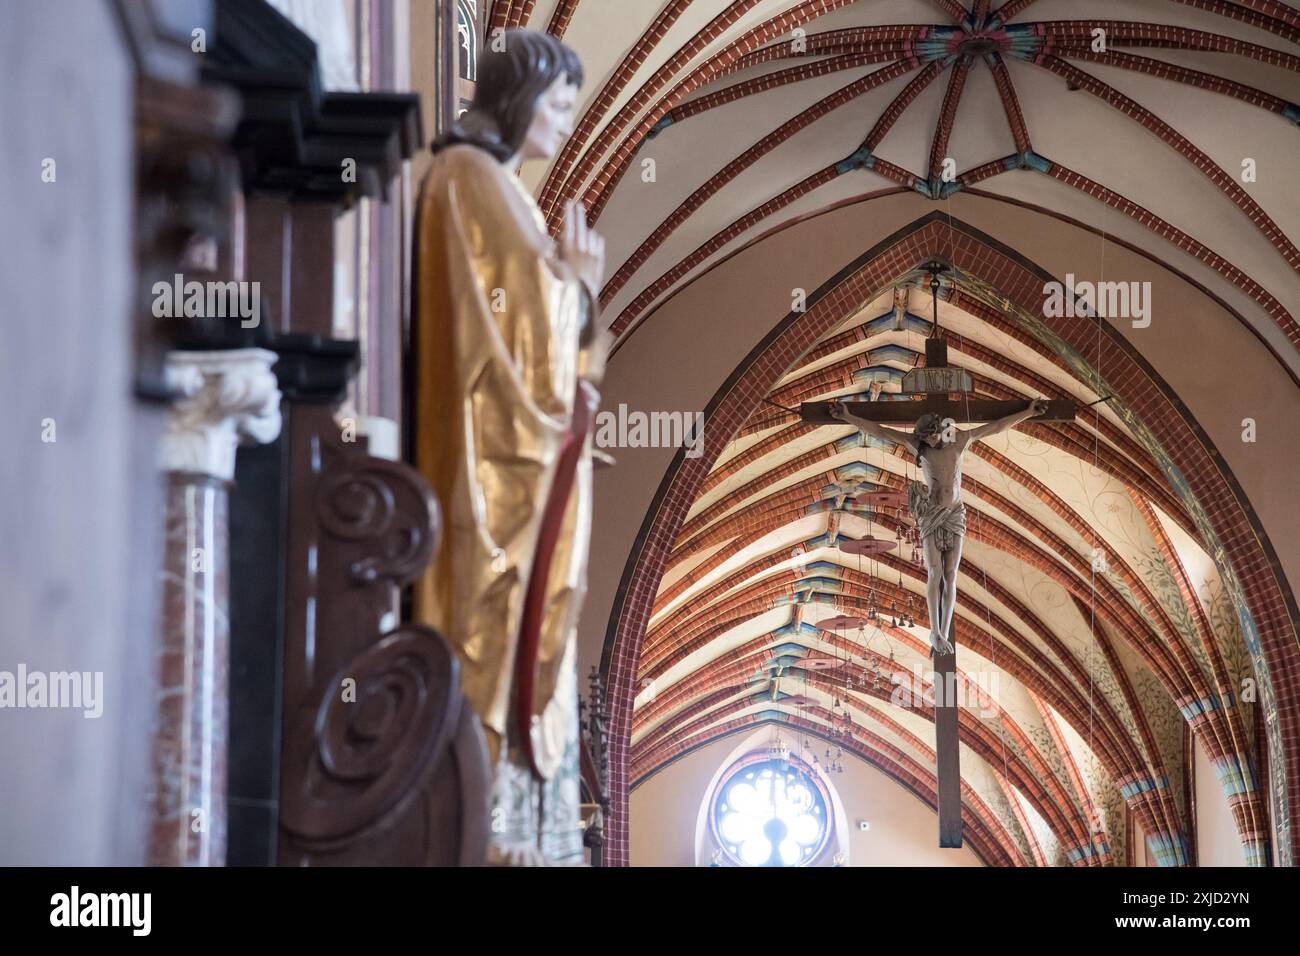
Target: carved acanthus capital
[{"x": 225, "y": 397}]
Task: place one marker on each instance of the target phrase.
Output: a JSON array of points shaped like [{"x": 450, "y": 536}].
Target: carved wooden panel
[{"x": 382, "y": 762}]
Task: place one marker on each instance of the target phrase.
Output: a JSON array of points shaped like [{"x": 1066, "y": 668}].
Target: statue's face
[
  {"x": 552, "y": 120},
  {"x": 930, "y": 431}
]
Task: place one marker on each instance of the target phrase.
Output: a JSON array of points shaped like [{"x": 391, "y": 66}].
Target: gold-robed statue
[{"x": 508, "y": 360}]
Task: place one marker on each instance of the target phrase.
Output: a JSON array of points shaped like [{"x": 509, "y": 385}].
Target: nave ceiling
[{"x": 1094, "y": 615}]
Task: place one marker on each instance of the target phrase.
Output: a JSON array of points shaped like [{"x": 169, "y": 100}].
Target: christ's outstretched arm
[
  {"x": 1037, "y": 407},
  {"x": 841, "y": 413}
]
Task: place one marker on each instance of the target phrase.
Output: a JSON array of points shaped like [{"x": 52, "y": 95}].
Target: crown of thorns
[{"x": 927, "y": 424}]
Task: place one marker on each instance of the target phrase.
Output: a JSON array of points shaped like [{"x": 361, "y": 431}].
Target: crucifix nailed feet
[{"x": 936, "y": 506}]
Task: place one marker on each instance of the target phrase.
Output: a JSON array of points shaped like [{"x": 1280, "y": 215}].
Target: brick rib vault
[
  {"x": 1078, "y": 614},
  {"x": 1117, "y": 583}
]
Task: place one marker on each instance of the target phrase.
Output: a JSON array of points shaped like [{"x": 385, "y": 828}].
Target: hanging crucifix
[{"x": 936, "y": 506}]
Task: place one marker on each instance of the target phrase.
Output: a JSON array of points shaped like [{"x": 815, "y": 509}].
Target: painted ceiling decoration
[
  {"x": 598, "y": 156},
  {"x": 1088, "y": 604},
  {"x": 1105, "y": 603},
  {"x": 812, "y": 580}
]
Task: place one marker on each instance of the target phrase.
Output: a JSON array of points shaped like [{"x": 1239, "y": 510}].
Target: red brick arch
[{"x": 1269, "y": 613}]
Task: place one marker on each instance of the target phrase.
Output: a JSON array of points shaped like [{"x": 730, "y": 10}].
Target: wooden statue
[
  {"x": 936, "y": 506},
  {"x": 508, "y": 358}
]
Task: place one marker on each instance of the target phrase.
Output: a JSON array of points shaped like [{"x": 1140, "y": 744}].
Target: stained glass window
[{"x": 770, "y": 813}]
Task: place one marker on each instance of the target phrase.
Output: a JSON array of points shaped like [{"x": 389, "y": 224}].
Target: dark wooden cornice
[{"x": 294, "y": 137}]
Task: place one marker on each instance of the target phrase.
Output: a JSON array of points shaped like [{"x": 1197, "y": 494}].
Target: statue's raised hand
[
  {"x": 583, "y": 248},
  {"x": 839, "y": 412},
  {"x": 1038, "y": 406}
]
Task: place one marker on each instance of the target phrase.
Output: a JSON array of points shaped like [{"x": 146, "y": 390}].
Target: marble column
[{"x": 225, "y": 397}]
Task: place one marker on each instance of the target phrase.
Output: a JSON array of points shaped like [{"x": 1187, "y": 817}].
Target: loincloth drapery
[{"x": 944, "y": 524}]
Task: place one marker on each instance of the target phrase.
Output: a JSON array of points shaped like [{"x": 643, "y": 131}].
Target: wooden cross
[
  {"x": 932, "y": 385},
  {"x": 929, "y": 385},
  {"x": 907, "y": 412}
]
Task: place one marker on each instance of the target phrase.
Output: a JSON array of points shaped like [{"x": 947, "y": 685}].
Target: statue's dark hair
[
  {"x": 929, "y": 422},
  {"x": 510, "y": 81}
]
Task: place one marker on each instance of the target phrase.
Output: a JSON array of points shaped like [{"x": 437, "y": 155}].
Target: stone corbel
[{"x": 224, "y": 398}]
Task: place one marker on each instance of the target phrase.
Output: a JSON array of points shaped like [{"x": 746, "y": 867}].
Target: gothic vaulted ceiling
[{"x": 1098, "y": 613}]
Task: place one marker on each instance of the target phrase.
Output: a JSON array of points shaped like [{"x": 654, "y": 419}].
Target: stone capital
[{"x": 225, "y": 398}]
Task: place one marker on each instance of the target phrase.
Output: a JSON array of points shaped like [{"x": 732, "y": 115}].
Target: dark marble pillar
[
  {"x": 189, "y": 821},
  {"x": 226, "y": 397}
]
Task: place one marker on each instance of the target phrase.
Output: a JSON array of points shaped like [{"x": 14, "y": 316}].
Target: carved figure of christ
[{"x": 937, "y": 506}]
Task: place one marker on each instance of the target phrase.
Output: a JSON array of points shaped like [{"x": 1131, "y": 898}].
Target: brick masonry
[{"x": 1268, "y": 605}]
